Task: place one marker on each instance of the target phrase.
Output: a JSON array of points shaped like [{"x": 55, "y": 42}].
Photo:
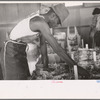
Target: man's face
[{"x": 53, "y": 20}]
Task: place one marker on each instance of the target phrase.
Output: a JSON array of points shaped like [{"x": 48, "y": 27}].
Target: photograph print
[{"x": 50, "y": 41}]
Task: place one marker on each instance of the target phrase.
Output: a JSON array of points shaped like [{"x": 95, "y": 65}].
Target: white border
[
  {"x": 50, "y": 89},
  {"x": 48, "y": 1},
  {"x": 80, "y": 89}
]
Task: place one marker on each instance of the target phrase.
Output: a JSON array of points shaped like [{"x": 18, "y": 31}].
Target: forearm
[
  {"x": 44, "y": 61},
  {"x": 43, "y": 49}
]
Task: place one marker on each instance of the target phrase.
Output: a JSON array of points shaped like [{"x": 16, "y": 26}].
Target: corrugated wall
[{"x": 11, "y": 14}]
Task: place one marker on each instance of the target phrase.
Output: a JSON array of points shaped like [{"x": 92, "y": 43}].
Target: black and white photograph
[{"x": 50, "y": 43}]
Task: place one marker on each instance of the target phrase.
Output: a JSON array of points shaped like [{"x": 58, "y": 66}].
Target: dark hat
[
  {"x": 61, "y": 11},
  {"x": 96, "y": 11}
]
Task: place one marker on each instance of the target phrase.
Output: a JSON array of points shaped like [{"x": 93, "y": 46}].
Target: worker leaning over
[
  {"x": 27, "y": 31},
  {"x": 95, "y": 29}
]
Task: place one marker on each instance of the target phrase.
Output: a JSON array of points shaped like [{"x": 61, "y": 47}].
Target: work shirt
[{"x": 22, "y": 29}]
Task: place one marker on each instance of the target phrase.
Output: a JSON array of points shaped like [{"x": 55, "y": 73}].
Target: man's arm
[
  {"x": 43, "y": 50},
  {"x": 40, "y": 25}
]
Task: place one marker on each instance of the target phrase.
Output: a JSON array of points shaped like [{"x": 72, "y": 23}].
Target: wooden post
[
  {"x": 72, "y": 56},
  {"x": 94, "y": 55},
  {"x": 87, "y": 46},
  {"x": 82, "y": 43},
  {"x": 75, "y": 72}
]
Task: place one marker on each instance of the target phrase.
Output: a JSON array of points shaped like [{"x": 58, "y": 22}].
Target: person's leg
[
  {"x": 91, "y": 38},
  {"x": 90, "y": 42},
  {"x": 97, "y": 38}
]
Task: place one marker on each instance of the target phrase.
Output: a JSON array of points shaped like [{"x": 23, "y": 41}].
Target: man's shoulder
[
  {"x": 37, "y": 19},
  {"x": 38, "y": 22}
]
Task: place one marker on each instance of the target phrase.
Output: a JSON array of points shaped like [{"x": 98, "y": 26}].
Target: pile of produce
[
  {"x": 84, "y": 57},
  {"x": 54, "y": 72},
  {"x": 97, "y": 63}
]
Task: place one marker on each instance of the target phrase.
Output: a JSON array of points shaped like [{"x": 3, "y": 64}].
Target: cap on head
[
  {"x": 61, "y": 12},
  {"x": 96, "y": 11}
]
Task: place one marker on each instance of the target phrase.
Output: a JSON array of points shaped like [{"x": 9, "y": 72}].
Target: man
[
  {"x": 28, "y": 31},
  {"x": 95, "y": 29}
]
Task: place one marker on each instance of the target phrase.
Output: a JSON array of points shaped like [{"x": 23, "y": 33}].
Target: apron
[{"x": 14, "y": 61}]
